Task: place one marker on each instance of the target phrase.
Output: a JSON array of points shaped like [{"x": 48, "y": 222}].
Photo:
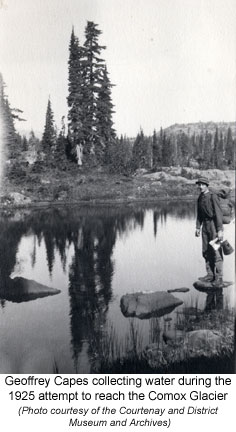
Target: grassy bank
[
  {"x": 174, "y": 356},
  {"x": 78, "y": 185}
]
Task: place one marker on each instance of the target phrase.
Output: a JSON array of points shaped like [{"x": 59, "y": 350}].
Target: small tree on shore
[
  {"x": 142, "y": 151},
  {"x": 217, "y": 153},
  {"x": 156, "y": 150},
  {"x": 61, "y": 145},
  {"x": 120, "y": 156},
  {"x": 166, "y": 150},
  {"x": 207, "y": 150},
  {"x": 229, "y": 149}
]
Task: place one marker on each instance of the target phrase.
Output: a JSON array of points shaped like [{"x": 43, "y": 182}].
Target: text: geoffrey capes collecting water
[
  {"x": 124, "y": 381},
  {"x": 85, "y": 401}
]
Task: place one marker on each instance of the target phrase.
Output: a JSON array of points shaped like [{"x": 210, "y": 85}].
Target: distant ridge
[{"x": 201, "y": 128}]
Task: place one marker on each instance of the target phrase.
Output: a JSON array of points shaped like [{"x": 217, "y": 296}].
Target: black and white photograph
[{"x": 117, "y": 186}]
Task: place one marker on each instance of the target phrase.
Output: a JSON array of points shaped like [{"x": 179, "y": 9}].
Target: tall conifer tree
[
  {"x": 77, "y": 95},
  {"x": 105, "y": 131},
  {"x": 49, "y": 134},
  {"x": 94, "y": 67},
  {"x": 90, "y": 125},
  {"x": 9, "y": 134}
]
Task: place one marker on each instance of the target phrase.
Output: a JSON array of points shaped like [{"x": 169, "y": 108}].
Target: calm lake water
[{"x": 93, "y": 256}]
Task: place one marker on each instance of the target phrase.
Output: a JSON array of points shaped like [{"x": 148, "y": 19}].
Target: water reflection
[
  {"x": 102, "y": 253},
  {"x": 90, "y": 279},
  {"x": 11, "y": 233},
  {"x": 215, "y": 300},
  {"x": 60, "y": 228}
]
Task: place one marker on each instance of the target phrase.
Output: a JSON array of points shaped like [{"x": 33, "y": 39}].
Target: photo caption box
[{"x": 105, "y": 402}]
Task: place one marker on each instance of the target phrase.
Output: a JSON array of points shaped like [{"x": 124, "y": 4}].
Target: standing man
[{"x": 210, "y": 220}]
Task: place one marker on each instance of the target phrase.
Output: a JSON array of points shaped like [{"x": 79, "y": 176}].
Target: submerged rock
[
  {"x": 202, "y": 342},
  {"x": 145, "y": 305},
  {"x": 195, "y": 344},
  {"x": 20, "y": 290},
  {"x": 183, "y": 290}
]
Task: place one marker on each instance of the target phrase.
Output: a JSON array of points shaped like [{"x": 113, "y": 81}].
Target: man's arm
[
  {"x": 198, "y": 222},
  {"x": 218, "y": 216}
]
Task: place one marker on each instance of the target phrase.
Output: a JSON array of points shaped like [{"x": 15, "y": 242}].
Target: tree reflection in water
[
  {"x": 11, "y": 233},
  {"x": 92, "y": 232}
]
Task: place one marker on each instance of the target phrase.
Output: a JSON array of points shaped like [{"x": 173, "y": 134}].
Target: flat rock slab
[
  {"x": 207, "y": 287},
  {"x": 20, "y": 289},
  {"x": 146, "y": 305},
  {"x": 183, "y": 290}
]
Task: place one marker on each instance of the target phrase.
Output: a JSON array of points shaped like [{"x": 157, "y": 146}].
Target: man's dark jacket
[{"x": 208, "y": 208}]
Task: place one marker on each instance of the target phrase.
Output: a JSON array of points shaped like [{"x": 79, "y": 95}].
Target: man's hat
[{"x": 203, "y": 180}]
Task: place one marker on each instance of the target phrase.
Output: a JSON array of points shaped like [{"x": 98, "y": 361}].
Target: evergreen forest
[{"x": 86, "y": 136}]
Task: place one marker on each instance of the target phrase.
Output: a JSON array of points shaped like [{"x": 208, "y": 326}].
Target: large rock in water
[{"x": 148, "y": 304}]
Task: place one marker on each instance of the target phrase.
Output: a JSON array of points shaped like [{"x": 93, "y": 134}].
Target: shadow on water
[{"x": 91, "y": 234}]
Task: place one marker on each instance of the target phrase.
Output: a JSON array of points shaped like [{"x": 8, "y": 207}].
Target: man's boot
[
  {"x": 209, "y": 276},
  {"x": 218, "y": 282}
]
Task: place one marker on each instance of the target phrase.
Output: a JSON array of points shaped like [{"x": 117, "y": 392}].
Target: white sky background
[{"x": 173, "y": 61}]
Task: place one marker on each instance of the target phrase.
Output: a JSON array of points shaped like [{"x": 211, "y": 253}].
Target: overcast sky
[{"x": 173, "y": 61}]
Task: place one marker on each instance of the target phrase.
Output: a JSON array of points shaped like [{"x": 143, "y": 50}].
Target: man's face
[{"x": 202, "y": 187}]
